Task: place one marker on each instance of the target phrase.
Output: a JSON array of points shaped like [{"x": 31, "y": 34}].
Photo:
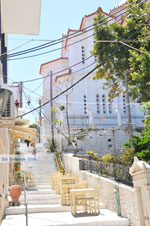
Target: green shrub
[
  {"x": 127, "y": 156},
  {"x": 109, "y": 158},
  {"x": 92, "y": 154}
]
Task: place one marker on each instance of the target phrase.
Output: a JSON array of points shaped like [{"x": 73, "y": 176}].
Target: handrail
[{"x": 25, "y": 200}]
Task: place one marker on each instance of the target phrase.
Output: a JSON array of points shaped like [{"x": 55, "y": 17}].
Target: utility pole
[
  {"x": 40, "y": 121},
  {"x": 129, "y": 111},
  {"x": 51, "y": 98},
  {"x": 67, "y": 116},
  {"x": 21, "y": 91}
]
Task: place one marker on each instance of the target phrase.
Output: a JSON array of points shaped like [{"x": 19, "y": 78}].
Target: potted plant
[{"x": 15, "y": 192}]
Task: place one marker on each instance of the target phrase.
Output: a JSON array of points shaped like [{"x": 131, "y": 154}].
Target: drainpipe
[{"x": 116, "y": 190}]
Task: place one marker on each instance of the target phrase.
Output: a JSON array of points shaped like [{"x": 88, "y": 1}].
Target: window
[
  {"x": 98, "y": 103},
  {"x": 124, "y": 103},
  {"x": 109, "y": 106},
  {"x": 95, "y": 58},
  {"x": 104, "y": 103},
  {"x": 83, "y": 54},
  {"x": 85, "y": 104}
]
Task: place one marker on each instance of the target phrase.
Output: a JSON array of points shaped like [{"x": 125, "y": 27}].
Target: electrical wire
[
  {"x": 70, "y": 36},
  {"x": 60, "y": 70},
  {"x": 31, "y": 106},
  {"x": 81, "y": 79},
  {"x": 17, "y": 54},
  {"x": 58, "y": 130},
  {"x": 55, "y": 73},
  {"x": 39, "y": 86},
  {"x": 16, "y": 48},
  {"x": 79, "y": 69},
  {"x": 64, "y": 135},
  {"x": 131, "y": 47},
  {"x": 68, "y": 68}
]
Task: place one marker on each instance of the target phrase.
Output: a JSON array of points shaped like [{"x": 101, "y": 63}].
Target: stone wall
[
  {"x": 101, "y": 141},
  {"x": 128, "y": 205}
]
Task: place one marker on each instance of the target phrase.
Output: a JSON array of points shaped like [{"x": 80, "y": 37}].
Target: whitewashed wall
[
  {"x": 87, "y": 87},
  {"x": 128, "y": 205}
]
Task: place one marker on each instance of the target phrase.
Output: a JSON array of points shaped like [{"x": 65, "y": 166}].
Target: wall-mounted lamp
[{"x": 4, "y": 96}]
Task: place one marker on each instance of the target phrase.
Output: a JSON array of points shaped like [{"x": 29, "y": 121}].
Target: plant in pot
[{"x": 15, "y": 192}]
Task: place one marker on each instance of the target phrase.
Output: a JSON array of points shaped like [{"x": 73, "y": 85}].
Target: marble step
[
  {"x": 40, "y": 192},
  {"x": 41, "y": 175},
  {"x": 37, "y": 209},
  {"x": 41, "y": 180},
  {"x": 41, "y": 209},
  {"x": 106, "y": 218},
  {"x": 43, "y": 186},
  {"x": 37, "y": 196},
  {"x": 39, "y": 171},
  {"x": 42, "y": 202}
]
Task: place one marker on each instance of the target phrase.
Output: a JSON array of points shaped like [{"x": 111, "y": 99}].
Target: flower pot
[{"x": 15, "y": 192}]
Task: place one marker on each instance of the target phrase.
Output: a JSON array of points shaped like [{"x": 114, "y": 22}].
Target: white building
[{"x": 87, "y": 102}]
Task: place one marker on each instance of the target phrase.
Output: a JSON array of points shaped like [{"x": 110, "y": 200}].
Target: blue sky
[{"x": 56, "y": 17}]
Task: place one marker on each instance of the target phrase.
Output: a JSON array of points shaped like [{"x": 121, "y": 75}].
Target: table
[
  {"x": 84, "y": 197},
  {"x": 65, "y": 191},
  {"x": 64, "y": 179},
  {"x": 29, "y": 177}
]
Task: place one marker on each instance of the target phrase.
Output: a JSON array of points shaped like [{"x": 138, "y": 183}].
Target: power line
[
  {"x": 21, "y": 53},
  {"x": 70, "y": 36},
  {"x": 65, "y": 68},
  {"x": 81, "y": 79},
  {"x": 131, "y": 47},
  {"x": 68, "y": 68},
  {"x": 74, "y": 65},
  {"x": 31, "y": 107}
]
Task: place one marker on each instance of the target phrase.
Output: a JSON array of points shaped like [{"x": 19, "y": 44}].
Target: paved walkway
[{"x": 106, "y": 218}]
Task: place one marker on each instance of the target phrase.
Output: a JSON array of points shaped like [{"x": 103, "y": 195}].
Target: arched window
[
  {"x": 104, "y": 103},
  {"x": 83, "y": 54},
  {"x": 109, "y": 106},
  {"x": 124, "y": 103},
  {"x": 85, "y": 104},
  {"x": 98, "y": 103}
]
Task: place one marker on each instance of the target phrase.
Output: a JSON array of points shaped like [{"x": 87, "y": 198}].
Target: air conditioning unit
[{"x": 7, "y": 119}]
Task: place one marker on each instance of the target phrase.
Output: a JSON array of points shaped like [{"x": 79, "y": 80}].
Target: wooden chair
[
  {"x": 82, "y": 197},
  {"x": 97, "y": 198},
  {"x": 52, "y": 179},
  {"x": 92, "y": 203},
  {"x": 59, "y": 181},
  {"x": 29, "y": 179},
  {"x": 65, "y": 179},
  {"x": 65, "y": 191}
]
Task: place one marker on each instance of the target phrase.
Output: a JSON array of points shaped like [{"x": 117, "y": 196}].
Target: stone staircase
[
  {"x": 41, "y": 198},
  {"x": 43, "y": 202}
]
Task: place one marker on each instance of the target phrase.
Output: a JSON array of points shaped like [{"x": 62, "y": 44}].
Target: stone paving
[{"x": 106, "y": 218}]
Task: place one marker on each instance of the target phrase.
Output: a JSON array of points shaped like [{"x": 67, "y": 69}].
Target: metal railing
[
  {"x": 118, "y": 172},
  {"x": 25, "y": 199}
]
